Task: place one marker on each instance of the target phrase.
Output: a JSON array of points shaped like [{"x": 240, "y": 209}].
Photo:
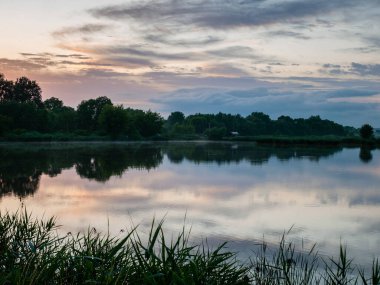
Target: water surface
[{"x": 227, "y": 191}]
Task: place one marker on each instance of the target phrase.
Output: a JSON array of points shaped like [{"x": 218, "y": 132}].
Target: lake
[{"x": 236, "y": 192}]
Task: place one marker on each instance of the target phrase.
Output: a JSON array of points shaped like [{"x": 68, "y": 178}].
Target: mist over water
[{"x": 236, "y": 192}]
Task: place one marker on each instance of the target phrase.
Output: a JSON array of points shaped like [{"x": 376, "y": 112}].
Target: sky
[{"x": 296, "y": 57}]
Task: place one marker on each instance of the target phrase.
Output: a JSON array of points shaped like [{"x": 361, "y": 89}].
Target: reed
[{"x": 32, "y": 252}]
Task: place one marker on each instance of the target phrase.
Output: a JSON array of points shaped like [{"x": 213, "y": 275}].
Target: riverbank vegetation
[
  {"x": 24, "y": 116},
  {"x": 32, "y": 252}
]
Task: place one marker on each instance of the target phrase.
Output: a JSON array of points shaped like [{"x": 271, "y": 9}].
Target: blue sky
[{"x": 298, "y": 58}]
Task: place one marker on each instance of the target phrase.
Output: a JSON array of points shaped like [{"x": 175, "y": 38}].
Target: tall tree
[
  {"x": 6, "y": 89},
  {"x": 149, "y": 123},
  {"x": 176, "y": 118},
  {"x": 113, "y": 119},
  {"x": 53, "y": 104},
  {"x": 366, "y": 131},
  {"x": 27, "y": 91},
  {"x": 88, "y": 112}
]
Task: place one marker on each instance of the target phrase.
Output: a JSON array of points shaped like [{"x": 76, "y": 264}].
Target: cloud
[
  {"x": 146, "y": 55},
  {"x": 185, "y": 42},
  {"x": 190, "y": 79},
  {"x": 82, "y": 30},
  {"x": 69, "y": 62},
  {"x": 234, "y": 52},
  {"x": 51, "y": 55},
  {"x": 104, "y": 73},
  {"x": 273, "y": 100},
  {"x": 143, "y": 52},
  {"x": 46, "y": 60},
  {"x": 365, "y": 49},
  {"x": 130, "y": 61},
  {"x": 224, "y": 70},
  {"x": 19, "y": 64},
  {"x": 353, "y": 69},
  {"x": 290, "y": 34},
  {"x": 330, "y": 65},
  {"x": 73, "y": 55},
  {"x": 222, "y": 14},
  {"x": 365, "y": 69},
  {"x": 346, "y": 93},
  {"x": 374, "y": 40}
]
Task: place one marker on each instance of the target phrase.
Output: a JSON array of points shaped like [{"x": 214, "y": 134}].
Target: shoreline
[{"x": 276, "y": 141}]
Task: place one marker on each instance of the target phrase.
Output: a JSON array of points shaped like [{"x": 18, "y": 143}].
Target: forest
[{"x": 23, "y": 114}]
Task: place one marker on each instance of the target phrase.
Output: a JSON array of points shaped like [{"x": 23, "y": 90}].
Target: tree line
[
  {"x": 22, "y": 109},
  {"x": 216, "y": 126}
]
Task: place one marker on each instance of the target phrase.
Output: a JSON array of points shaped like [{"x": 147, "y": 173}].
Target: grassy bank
[{"x": 33, "y": 253}]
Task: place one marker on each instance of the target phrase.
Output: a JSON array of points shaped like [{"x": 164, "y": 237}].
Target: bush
[
  {"x": 366, "y": 131},
  {"x": 216, "y": 133}
]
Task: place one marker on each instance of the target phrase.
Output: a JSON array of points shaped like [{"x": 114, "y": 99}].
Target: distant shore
[{"x": 274, "y": 140}]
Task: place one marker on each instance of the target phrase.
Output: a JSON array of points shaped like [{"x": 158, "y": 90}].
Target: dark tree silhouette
[
  {"x": 6, "y": 89},
  {"x": 113, "y": 119},
  {"x": 53, "y": 104},
  {"x": 88, "y": 112},
  {"x": 27, "y": 91},
  {"x": 366, "y": 131},
  {"x": 149, "y": 123},
  {"x": 5, "y": 124},
  {"x": 176, "y": 118},
  {"x": 365, "y": 154}
]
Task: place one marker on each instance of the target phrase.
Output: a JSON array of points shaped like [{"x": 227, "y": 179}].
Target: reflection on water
[
  {"x": 236, "y": 192},
  {"x": 365, "y": 154},
  {"x": 21, "y": 167}
]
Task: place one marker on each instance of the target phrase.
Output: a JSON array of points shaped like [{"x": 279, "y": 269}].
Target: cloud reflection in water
[{"x": 233, "y": 191}]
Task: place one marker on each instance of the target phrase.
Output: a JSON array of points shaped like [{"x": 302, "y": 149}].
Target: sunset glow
[{"x": 298, "y": 58}]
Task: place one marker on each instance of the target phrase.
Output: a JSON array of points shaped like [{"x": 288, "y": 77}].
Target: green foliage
[
  {"x": 23, "y": 90},
  {"x": 181, "y": 131},
  {"x": 61, "y": 118},
  {"x": 199, "y": 122},
  {"x": 6, "y": 89},
  {"x": 176, "y": 118},
  {"x": 5, "y": 124},
  {"x": 366, "y": 131},
  {"x": 88, "y": 112},
  {"x": 113, "y": 119},
  {"x": 53, "y": 104},
  {"x": 25, "y": 115},
  {"x": 258, "y": 124},
  {"x": 216, "y": 133},
  {"x": 148, "y": 123},
  {"x": 33, "y": 253}
]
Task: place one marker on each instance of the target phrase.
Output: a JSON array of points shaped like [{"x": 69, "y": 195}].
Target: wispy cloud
[
  {"x": 353, "y": 69},
  {"x": 81, "y": 30},
  {"x": 184, "y": 42},
  {"x": 103, "y": 73},
  {"x": 234, "y": 52},
  {"x": 222, "y": 14},
  {"x": 21, "y": 65},
  {"x": 365, "y": 69},
  {"x": 290, "y": 34}
]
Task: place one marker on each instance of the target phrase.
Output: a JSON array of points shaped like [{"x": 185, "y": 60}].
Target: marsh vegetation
[{"x": 32, "y": 252}]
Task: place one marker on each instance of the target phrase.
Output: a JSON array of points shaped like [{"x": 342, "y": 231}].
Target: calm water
[{"x": 227, "y": 192}]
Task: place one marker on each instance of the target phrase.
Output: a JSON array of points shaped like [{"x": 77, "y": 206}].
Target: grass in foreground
[{"x": 31, "y": 252}]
